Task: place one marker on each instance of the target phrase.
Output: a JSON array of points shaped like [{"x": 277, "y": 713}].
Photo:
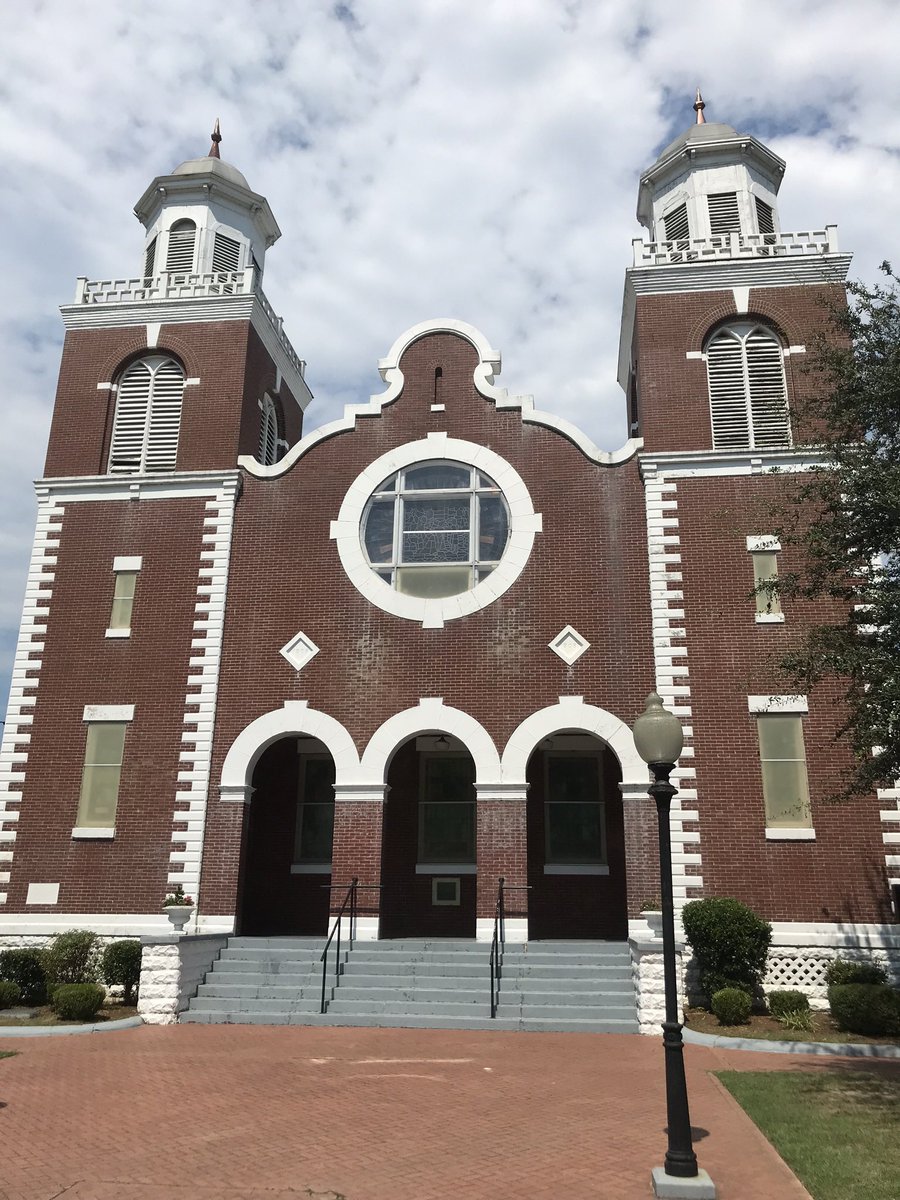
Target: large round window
[{"x": 435, "y": 529}]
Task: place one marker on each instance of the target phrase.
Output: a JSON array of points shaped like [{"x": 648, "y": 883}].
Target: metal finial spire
[
  {"x": 217, "y": 137},
  {"x": 699, "y": 105}
]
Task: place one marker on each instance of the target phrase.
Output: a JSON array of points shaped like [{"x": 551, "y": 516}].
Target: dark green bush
[
  {"x": 732, "y": 1006},
  {"x": 121, "y": 965},
  {"x": 78, "y": 1001},
  {"x": 72, "y": 958},
  {"x": 730, "y": 943},
  {"x": 786, "y": 1002},
  {"x": 857, "y": 970},
  {"x": 10, "y": 994},
  {"x": 872, "y": 1009},
  {"x": 26, "y": 968}
]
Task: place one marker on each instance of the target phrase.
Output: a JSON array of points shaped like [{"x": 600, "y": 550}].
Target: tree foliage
[{"x": 850, "y": 550}]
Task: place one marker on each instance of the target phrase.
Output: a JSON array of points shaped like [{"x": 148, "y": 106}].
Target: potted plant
[
  {"x": 178, "y": 907},
  {"x": 651, "y": 911}
]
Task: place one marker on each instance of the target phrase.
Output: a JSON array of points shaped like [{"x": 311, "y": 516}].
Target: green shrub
[
  {"x": 72, "y": 958},
  {"x": 26, "y": 968},
  {"x": 121, "y": 964},
  {"x": 730, "y": 943},
  {"x": 10, "y": 993},
  {"x": 732, "y": 1006},
  {"x": 781, "y": 1003},
  {"x": 798, "y": 1020},
  {"x": 872, "y": 1009},
  {"x": 78, "y": 1001},
  {"x": 857, "y": 970}
]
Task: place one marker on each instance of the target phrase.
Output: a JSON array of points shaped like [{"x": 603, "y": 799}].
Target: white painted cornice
[
  {"x": 488, "y": 365},
  {"x": 672, "y": 464},
  {"x": 172, "y": 485}
]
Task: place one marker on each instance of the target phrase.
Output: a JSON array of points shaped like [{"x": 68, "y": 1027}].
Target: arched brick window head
[
  {"x": 148, "y": 417},
  {"x": 747, "y": 392}
]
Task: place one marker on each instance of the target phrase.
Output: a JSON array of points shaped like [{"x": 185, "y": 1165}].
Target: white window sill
[
  {"x": 790, "y": 835},
  {"x": 87, "y": 831},
  {"x": 446, "y": 869},
  {"x": 310, "y": 868},
  {"x": 576, "y": 869},
  {"x": 118, "y": 633},
  {"x": 770, "y": 618}
]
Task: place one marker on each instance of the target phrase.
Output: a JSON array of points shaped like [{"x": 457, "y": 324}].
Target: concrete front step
[
  {"x": 406, "y": 1021},
  {"x": 420, "y": 983}
]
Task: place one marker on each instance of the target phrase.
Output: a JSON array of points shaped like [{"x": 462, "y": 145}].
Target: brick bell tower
[
  {"x": 166, "y": 378},
  {"x": 721, "y": 313}
]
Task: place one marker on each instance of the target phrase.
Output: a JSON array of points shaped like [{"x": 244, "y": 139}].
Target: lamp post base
[{"x": 673, "y": 1187}]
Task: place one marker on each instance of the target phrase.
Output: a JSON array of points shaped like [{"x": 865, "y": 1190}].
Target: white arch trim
[
  {"x": 431, "y": 716},
  {"x": 572, "y": 713},
  {"x": 488, "y": 365},
  {"x": 295, "y": 718}
]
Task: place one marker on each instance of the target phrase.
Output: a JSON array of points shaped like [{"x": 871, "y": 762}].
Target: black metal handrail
[
  {"x": 498, "y": 941},
  {"x": 349, "y": 899}
]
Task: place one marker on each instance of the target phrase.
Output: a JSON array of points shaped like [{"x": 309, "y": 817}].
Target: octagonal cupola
[
  {"x": 204, "y": 220},
  {"x": 709, "y": 185}
]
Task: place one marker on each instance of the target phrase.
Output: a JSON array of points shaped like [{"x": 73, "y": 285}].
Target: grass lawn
[{"x": 836, "y": 1128}]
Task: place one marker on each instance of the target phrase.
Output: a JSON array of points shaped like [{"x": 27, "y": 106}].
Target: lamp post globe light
[{"x": 658, "y": 738}]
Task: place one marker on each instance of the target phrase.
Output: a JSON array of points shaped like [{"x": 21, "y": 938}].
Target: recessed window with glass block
[
  {"x": 435, "y": 529},
  {"x": 447, "y": 809},
  {"x": 101, "y": 774},
  {"x": 783, "y": 758},
  {"x": 574, "y": 812},
  {"x": 123, "y": 600},
  {"x": 315, "y": 811},
  {"x": 765, "y": 572}
]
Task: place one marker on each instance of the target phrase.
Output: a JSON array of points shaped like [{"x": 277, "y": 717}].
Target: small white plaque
[
  {"x": 42, "y": 893},
  {"x": 569, "y": 645},
  {"x": 299, "y": 651}
]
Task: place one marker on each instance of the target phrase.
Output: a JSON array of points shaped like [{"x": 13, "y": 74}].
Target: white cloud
[{"x": 423, "y": 159}]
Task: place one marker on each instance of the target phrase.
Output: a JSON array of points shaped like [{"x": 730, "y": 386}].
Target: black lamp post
[{"x": 658, "y": 738}]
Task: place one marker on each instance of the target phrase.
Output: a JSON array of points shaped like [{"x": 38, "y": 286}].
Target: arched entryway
[
  {"x": 428, "y": 865},
  {"x": 286, "y": 872},
  {"x": 576, "y": 840}
]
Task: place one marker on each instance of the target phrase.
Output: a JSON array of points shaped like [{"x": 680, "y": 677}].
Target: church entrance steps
[{"x": 411, "y": 983}]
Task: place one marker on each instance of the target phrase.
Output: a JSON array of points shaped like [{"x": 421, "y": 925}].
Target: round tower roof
[
  {"x": 212, "y": 166},
  {"x": 708, "y": 131}
]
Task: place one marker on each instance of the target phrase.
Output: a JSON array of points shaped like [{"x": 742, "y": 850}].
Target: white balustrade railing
[
  {"x": 178, "y": 285},
  {"x": 736, "y": 245}
]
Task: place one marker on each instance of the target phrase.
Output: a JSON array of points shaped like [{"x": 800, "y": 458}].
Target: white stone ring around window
[{"x": 433, "y": 612}]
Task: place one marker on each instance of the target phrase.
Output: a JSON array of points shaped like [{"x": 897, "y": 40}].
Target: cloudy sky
[{"x": 424, "y": 158}]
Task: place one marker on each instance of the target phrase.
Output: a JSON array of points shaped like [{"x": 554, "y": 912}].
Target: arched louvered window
[
  {"x": 268, "y": 432},
  {"x": 180, "y": 255},
  {"x": 747, "y": 393},
  {"x": 148, "y": 417}
]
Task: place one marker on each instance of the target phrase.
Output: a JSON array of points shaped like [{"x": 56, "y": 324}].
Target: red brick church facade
[{"x": 409, "y": 646}]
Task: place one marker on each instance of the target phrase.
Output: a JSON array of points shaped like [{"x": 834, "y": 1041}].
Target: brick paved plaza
[{"x": 235, "y": 1112}]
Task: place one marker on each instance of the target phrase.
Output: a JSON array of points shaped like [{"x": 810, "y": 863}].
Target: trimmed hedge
[
  {"x": 730, "y": 943},
  {"x": 782, "y": 1002},
  {"x": 732, "y": 1006},
  {"x": 71, "y": 958},
  {"x": 854, "y": 970},
  {"x": 78, "y": 1001},
  {"x": 872, "y": 1009},
  {"x": 10, "y": 994},
  {"x": 26, "y": 968},
  {"x": 121, "y": 964}
]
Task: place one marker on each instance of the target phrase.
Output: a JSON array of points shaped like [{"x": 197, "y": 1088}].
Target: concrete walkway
[{"x": 245, "y": 1112}]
